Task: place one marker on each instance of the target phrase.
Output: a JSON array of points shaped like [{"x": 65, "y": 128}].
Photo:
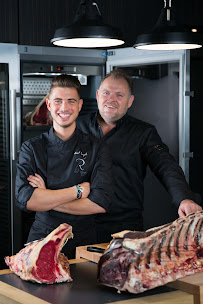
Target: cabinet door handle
[{"x": 13, "y": 124}]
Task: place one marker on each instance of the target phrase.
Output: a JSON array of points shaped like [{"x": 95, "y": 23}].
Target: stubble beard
[
  {"x": 66, "y": 126},
  {"x": 111, "y": 118},
  {"x": 61, "y": 125}
]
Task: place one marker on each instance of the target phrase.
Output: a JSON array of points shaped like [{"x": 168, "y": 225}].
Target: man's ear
[
  {"x": 130, "y": 102},
  {"x": 97, "y": 94},
  {"x": 80, "y": 104},
  {"x": 48, "y": 103}
]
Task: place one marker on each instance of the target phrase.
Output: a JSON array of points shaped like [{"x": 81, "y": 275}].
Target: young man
[
  {"x": 134, "y": 145},
  {"x": 64, "y": 175}
]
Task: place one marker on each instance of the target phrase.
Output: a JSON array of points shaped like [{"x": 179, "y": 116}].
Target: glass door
[{"x": 10, "y": 141}]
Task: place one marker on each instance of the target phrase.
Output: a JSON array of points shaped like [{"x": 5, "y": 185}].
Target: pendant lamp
[
  {"x": 88, "y": 30},
  {"x": 168, "y": 35}
]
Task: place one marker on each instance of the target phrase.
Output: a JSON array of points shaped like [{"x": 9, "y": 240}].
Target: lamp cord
[{"x": 167, "y": 4}]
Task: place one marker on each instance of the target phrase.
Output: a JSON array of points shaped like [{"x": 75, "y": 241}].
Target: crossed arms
[{"x": 61, "y": 200}]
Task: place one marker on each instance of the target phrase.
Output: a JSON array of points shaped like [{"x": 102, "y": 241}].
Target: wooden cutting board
[{"x": 81, "y": 252}]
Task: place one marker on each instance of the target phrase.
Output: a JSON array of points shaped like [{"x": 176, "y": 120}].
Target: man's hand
[
  {"x": 188, "y": 206},
  {"x": 36, "y": 181}
]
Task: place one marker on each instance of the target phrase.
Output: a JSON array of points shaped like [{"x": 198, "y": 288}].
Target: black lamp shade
[
  {"x": 88, "y": 31},
  {"x": 168, "y": 35},
  {"x": 169, "y": 41}
]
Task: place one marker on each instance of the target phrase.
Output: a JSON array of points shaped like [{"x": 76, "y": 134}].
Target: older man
[{"x": 134, "y": 145}]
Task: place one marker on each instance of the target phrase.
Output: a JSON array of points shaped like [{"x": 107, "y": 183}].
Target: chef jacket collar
[
  {"x": 54, "y": 140},
  {"x": 118, "y": 123}
]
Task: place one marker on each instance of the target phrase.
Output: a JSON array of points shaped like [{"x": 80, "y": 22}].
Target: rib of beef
[
  {"x": 139, "y": 261},
  {"x": 42, "y": 261}
]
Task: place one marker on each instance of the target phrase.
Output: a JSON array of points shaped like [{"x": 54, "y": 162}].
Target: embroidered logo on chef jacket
[
  {"x": 80, "y": 163},
  {"x": 158, "y": 147}
]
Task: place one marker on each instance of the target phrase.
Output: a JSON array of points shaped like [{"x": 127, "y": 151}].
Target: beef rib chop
[{"x": 42, "y": 261}]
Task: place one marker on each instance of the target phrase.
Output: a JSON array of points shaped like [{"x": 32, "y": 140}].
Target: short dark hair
[
  {"x": 120, "y": 74},
  {"x": 66, "y": 81}
]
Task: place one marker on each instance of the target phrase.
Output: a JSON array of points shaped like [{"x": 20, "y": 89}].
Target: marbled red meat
[
  {"x": 41, "y": 115},
  {"x": 42, "y": 261},
  {"x": 139, "y": 261}
]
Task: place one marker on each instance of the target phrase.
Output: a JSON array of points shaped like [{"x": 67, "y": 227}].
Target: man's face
[
  {"x": 114, "y": 99},
  {"x": 64, "y": 105}
]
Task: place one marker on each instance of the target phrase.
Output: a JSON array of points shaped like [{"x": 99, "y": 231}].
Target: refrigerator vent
[
  {"x": 34, "y": 90},
  {"x": 36, "y": 86}
]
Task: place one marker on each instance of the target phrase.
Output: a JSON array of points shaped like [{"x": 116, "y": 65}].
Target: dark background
[{"x": 33, "y": 22}]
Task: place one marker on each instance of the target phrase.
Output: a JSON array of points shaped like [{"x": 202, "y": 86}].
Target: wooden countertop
[
  {"x": 13, "y": 295},
  {"x": 190, "y": 289}
]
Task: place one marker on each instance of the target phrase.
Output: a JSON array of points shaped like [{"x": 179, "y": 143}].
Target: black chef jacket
[
  {"x": 62, "y": 165},
  {"x": 135, "y": 144}
]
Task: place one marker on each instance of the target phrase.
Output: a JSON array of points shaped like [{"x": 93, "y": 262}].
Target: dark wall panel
[
  {"x": 38, "y": 20},
  {"x": 44, "y": 17},
  {"x": 9, "y": 21},
  {"x": 34, "y": 22}
]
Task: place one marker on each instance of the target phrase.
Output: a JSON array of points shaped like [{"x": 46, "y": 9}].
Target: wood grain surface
[
  {"x": 81, "y": 252},
  {"x": 11, "y": 295},
  {"x": 174, "y": 297}
]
